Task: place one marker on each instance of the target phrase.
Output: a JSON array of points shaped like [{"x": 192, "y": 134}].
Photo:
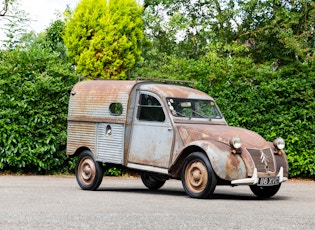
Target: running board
[{"x": 147, "y": 168}]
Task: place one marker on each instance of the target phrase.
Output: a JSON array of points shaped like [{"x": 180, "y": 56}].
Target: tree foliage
[
  {"x": 104, "y": 37},
  {"x": 279, "y": 30},
  {"x": 5, "y": 6},
  {"x": 15, "y": 25},
  {"x": 53, "y": 38}
]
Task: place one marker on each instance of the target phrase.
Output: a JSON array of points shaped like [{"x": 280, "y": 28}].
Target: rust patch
[
  {"x": 232, "y": 166},
  {"x": 249, "y": 164}
]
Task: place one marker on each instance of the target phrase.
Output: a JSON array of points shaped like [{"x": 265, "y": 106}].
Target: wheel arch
[
  {"x": 80, "y": 150},
  {"x": 176, "y": 167},
  {"x": 226, "y": 166}
]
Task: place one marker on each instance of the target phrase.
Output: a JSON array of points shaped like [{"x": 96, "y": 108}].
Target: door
[
  {"x": 151, "y": 134},
  {"x": 110, "y": 142}
]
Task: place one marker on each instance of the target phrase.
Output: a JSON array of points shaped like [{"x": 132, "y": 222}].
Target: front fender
[
  {"x": 281, "y": 161},
  {"x": 226, "y": 165}
]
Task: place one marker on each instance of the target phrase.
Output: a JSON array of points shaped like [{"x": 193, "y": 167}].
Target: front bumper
[{"x": 254, "y": 179}]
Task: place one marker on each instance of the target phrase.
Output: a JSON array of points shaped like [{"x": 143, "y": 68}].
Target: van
[{"x": 166, "y": 130}]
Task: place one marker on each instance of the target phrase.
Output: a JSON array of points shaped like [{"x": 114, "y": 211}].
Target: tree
[
  {"x": 53, "y": 38},
  {"x": 280, "y": 31},
  {"x": 103, "y": 38},
  {"x": 191, "y": 24},
  {"x": 273, "y": 30},
  {"x": 14, "y": 28},
  {"x": 5, "y": 6}
]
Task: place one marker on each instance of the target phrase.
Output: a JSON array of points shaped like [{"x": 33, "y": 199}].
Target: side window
[
  {"x": 150, "y": 109},
  {"x": 116, "y": 109}
]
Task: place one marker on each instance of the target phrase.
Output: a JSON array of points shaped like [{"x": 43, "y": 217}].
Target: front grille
[{"x": 263, "y": 159}]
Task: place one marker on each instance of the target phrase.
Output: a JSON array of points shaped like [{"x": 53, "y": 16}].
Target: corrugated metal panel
[
  {"x": 96, "y": 106},
  {"x": 81, "y": 134},
  {"x": 90, "y": 100},
  {"x": 110, "y": 147}
]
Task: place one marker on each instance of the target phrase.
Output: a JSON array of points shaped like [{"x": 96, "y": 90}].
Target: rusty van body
[{"x": 167, "y": 131}]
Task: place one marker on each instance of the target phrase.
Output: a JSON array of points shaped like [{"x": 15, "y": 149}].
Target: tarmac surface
[{"x": 57, "y": 202}]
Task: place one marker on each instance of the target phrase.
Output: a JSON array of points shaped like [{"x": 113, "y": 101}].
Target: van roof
[
  {"x": 90, "y": 100},
  {"x": 175, "y": 91}
]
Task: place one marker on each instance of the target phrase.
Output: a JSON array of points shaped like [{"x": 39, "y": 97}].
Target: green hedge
[
  {"x": 34, "y": 90},
  {"x": 276, "y": 104},
  {"x": 34, "y": 93}
]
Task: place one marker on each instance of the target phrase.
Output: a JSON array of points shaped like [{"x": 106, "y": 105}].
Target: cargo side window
[
  {"x": 150, "y": 109},
  {"x": 116, "y": 109}
]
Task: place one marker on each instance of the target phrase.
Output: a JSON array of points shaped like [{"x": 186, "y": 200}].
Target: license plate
[{"x": 268, "y": 181}]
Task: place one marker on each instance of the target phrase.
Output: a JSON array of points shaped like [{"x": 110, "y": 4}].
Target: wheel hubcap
[
  {"x": 87, "y": 171},
  {"x": 196, "y": 176}
]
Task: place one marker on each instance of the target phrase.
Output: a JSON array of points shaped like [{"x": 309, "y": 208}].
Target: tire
[
  {"x": 198, "y": 177},
  {"x": 151, "y": 182},
  {"x": 265, "y": 191},
  {"x": 88, "y": 172}
]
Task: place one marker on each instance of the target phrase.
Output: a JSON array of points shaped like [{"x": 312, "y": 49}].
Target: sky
[{"x": 41, "y": 12}]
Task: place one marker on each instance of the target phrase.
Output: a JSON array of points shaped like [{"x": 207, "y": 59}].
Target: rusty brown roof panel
[{"x": 178, "y": 91}]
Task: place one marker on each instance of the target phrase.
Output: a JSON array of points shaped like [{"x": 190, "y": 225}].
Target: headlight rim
[
  {"x": 279, "y": 143},
  {"x": 236, "y": 142}
]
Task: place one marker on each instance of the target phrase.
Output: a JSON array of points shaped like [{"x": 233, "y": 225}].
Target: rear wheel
[
  {"x": 89, "y": 173},
  {"x": 265, "y": 191},
  {"x": 151, "y": 182},
  {"x": 198, "y": 178}
]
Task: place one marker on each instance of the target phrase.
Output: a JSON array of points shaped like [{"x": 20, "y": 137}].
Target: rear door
[{"x": 151, "y": 135}]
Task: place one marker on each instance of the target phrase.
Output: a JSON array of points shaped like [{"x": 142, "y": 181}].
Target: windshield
[{"x": 193, "y": 108}]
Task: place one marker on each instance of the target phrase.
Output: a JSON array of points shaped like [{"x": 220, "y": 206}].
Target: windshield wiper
[
  {"x": 201, "y": 115},
  {"x": 181, "y": 114}
]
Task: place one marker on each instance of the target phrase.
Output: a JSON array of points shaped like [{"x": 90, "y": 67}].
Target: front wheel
[
  {"x": 265, "y": 191},
  {"x": 151, "y": 182},
  {"x": 88, "y": 172},
  {"x": 198, "y": 177}
]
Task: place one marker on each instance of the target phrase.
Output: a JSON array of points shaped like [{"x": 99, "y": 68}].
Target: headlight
[
  {"x": 236, "y": 142},
  {"x": 279, "y": 143}
]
